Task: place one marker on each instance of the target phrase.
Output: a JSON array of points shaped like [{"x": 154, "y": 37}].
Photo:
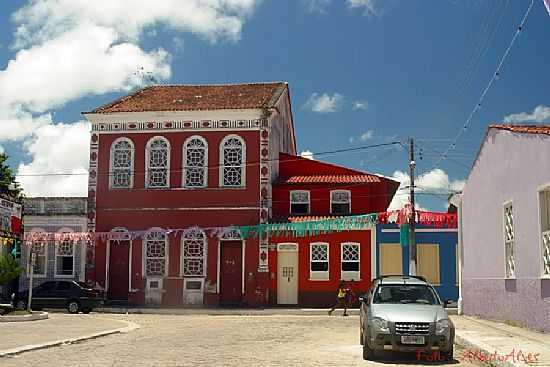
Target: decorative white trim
[
  {"x": 63, "y": 276},
  {"x": 337, "y": 191},
  {"x": 204, "y": 258},
  {"x": 218, "y": 268},
  {"x": 166, "y": 254},
  {"x": 505, "y": 205},
  {"x": 298, "y": 202},
  {"x": 111, "y": 163},
  {"x": 319, "y": 275},
  {"x": 243, "y": 263},
  {"x": 221, "y": 161},
  {"x": 184, "y": 163},
  {"x": 348, "y": 275},
  {"x": 168, "y": 156}
]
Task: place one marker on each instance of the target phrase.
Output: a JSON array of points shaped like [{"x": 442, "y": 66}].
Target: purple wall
[{"x": 510, "y": 167}]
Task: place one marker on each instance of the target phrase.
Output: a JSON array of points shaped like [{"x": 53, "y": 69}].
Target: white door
[
  {"x": 287, "y": 274},
  {"x": 193, "y": 291}
]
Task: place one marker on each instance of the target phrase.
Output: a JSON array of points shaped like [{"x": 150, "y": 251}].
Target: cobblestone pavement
[{"x": 201, "y": 340}]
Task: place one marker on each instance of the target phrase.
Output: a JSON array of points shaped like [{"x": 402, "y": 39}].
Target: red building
[
  {"x": 172, "y": 166},
  {"x": 309, "y": 269}
]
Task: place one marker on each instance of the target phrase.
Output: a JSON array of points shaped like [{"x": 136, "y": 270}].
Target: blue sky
[{"x": 360, "y": 72}]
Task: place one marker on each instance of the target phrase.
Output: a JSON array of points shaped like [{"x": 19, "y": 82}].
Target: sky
[{"x": 360, "y": 72}]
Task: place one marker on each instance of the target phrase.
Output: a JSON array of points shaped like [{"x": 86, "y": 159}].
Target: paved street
[{"x": 201, "y": 340}]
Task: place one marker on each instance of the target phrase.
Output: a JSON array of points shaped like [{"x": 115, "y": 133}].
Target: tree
[
  {"x": 8, "y": 185},
  {"x": 9, "y": 269}
]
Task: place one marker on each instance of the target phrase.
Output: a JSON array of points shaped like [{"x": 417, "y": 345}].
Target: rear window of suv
[{"x": 405, "y": 293}]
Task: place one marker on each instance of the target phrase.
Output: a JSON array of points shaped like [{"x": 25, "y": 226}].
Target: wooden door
[
  {"x": 391, "y": 259},
  {"x": 231, "y": 272},
  {"x": 287, "y": 274},
  {"x": 118, "y": 270}
]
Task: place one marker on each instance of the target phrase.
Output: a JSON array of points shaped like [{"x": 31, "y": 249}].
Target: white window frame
[
  {"x": 319, "y": 275},
  {"x": 166, "y": 255},
  {"x": 243, "y": 164},
  {"x": 66, "y": 276},
  {"x": 293, "y": 202},
  {"x": 184, "y": 163},
  {"x": 46, "y": 245},
  {"x": 543, "y": 233},
  {"x": 204, "y": 257},
  {"x": 349, "y": 275},
  {"x": 112, "y": 168},
  {"x": 332, "y": 202},
  {"x": 506, "y": 205},
  {"x": 168, "y": 156}
]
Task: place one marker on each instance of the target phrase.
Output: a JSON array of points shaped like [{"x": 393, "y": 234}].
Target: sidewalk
[
  {"x": 17, "y": 337},
  {"x": 501, "y": 344}
]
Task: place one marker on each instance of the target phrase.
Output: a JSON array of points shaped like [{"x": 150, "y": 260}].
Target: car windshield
[{"x": 405, "y": 293}]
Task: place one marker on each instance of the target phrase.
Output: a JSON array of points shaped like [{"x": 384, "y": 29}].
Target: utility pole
[{"x": 412, "y": 218}]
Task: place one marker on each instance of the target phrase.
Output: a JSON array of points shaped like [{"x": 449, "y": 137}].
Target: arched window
[
  {"x": 195, "y": 171},
  {"x": 194, "y": 253},
  {"x": 121, "y": 175},
  {"x": 232, "y": 157},
  {"x": 64, "y": 256},
  {"x": 155, "y": 253},
  {"x": 158, "y": 163}
]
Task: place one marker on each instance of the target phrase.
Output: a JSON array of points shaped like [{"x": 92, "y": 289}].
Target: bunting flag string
[{"x": 288, "y": 229}]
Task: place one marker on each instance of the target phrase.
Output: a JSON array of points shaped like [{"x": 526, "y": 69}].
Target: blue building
[{"x": 436, "y": 256}]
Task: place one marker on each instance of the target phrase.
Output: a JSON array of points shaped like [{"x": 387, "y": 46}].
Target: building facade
[
  {"x": 11, "y": 234},
  {"x": 505, "y": 228},
  {"x": 307, "y": 270},
  {"x": 437, "y": 259},
  {"x": 64, "y": 259},
  {"x": 195, "y": 158}
]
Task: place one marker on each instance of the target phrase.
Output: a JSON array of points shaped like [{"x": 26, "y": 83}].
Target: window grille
[
  {"x": 319, "y": 261},
  {"x": 509, "y": 243},
  {"x": 122, "y": 164},
  {"x": 194, "y": 248},
  {"x": 233, "y": 162},
  {"x": 158, "y": 155},
  {"x": 155, "y": 254},
  {"x": 195, "y": 170},
  {"x": 299, "y": 202},
  {"x": 340, "y": 202}
]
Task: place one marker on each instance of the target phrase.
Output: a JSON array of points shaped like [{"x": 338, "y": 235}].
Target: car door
[
  {"x": 42, "y": 295},
  {"x": 63, "y": 292}
]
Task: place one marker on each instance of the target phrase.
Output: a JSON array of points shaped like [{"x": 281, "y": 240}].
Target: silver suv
[{"x": 405, "y": 314}]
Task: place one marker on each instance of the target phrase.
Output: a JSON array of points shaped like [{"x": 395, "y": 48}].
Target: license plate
[{"x": 412, "y": 339}]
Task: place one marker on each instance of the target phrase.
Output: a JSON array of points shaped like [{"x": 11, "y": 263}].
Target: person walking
[{"x": 341, "y": 296}]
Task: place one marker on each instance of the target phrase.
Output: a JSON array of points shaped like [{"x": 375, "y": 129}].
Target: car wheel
[
  {"x": 368, "y": 352},
  {"x": 86, "y": 310},
  {"x": 73, "y": 306},
  {"x": 449, "y": 355},
  {"x": 21, "y": 305}
]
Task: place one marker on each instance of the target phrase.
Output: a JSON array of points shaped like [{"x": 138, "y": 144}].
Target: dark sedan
[{"x": 72, "y": 295}]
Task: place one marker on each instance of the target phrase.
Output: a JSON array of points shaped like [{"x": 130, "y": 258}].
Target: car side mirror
[
  {"x": 364, "y": 299},
  {"x": 447, "y": 302}
]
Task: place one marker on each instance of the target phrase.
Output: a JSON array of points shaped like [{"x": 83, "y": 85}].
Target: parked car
[
  {"x": 72, "y": 295},
  {"x": 405, "y": 314}
]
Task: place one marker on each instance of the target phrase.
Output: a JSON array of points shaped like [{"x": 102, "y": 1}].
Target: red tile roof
[
  {"x": 197, "y": 97},
  {"x": 331, "y": 179},
  {"x": 526, "y": 129}
]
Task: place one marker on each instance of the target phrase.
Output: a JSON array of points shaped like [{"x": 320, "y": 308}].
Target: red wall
[
  {"x": 323, "y": 292},
  {"x": 139, "y": 196}
]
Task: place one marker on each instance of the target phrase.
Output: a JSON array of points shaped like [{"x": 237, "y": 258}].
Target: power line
[
  {"x": 209, "y": 167},
  {"x": 494, "y": 77}
]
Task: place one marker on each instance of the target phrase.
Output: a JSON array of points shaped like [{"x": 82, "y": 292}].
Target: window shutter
[
  {"x": 391, "y": 259},
  {"x": 427, "y": 262}
]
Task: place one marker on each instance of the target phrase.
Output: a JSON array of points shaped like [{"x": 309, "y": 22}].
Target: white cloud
[
  {"x": 307, "y": 154},
  {"x": 57, "y": 148},
  {"x": 540, "y": 114},
  {"x": 433, "y": 181},
  {"x": 360, "y": 105},
  {"x": 316, "y": 6},
  {"x": 366, "y": 135},
  {"x": 212, "y": 19},
  {"x": 368, "y": 6},
  {"x": 83, "y": 61},
  {"x": 324, "y": 103}
]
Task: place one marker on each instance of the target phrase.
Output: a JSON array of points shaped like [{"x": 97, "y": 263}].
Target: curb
[
  {"x": 224, "y": 312},
  {"x": 35, "y": 316},
  {"x": 26, "y": 348}
]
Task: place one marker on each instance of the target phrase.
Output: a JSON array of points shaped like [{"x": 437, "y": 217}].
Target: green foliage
[
  {"x": 9, "y": 269},
  {"x": 8, "y": 186}
]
